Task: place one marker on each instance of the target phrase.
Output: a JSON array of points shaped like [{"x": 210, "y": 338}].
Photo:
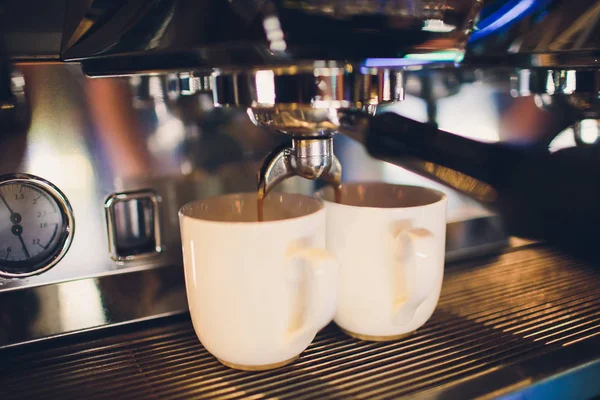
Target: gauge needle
[
  {"x": 5, "y": 203},
  {"x": 24, "y": 247}
]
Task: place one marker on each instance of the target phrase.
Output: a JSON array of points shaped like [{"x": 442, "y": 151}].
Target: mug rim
[
  {"x": 319, "y": 194},
  {"x": 319, "y": 202}
]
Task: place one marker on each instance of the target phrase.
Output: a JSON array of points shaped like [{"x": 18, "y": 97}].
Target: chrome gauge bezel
[{"x": 66, "y": 234}]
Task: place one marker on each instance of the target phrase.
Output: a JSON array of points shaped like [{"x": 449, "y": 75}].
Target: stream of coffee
[
  {"x": 337, "y": 192},
  {"x": 260, "y": 199}
]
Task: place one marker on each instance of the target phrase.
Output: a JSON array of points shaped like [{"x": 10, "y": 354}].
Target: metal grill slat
[{"x": 492, "y": 312}]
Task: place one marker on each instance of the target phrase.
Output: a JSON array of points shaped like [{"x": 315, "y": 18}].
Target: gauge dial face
[{"x": 35, "y": 226}]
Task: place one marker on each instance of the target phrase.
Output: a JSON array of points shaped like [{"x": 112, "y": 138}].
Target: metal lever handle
[{"x": 539, "y": 195}]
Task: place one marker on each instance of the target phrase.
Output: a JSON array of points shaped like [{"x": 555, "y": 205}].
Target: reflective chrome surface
[
  {"x": 307, "y": 158},
  {"x": 580, "y": 88},
  {"x": 41, "y": 312},
  {"x": 92, "y": 138},
  {"x": 116, "y": 38},
  {"x": 113, "y": 137},
  {"x": 523, "y": 324},
  {"x": 555, "y": 34},
  {"x": 159, "y": 131},
  {"x": 187, "y": 34},
  {"x": 133, "y": 225},
  {"x": 307, "y": 100}
]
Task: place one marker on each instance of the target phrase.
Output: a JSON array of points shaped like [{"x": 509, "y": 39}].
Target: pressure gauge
[{"x": 36, "y": 225}]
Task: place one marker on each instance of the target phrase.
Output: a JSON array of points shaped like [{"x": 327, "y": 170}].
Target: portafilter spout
[
  {"x": 305, "y": 102},
  {"x": 310, "y": 158}
]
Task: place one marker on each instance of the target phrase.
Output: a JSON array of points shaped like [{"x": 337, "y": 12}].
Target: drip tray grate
[{"x": 492, "y": 312}]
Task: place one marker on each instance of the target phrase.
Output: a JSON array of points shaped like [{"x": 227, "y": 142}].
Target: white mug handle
[
  {"x": 414, "y": 246},
  {"x": 321, "y": 290}
]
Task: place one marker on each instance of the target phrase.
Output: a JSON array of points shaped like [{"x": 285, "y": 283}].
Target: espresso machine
[{"x": 115, "y": 114}]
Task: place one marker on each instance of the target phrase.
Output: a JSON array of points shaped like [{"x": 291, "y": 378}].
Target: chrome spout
[{"x": 309, "y": 158}]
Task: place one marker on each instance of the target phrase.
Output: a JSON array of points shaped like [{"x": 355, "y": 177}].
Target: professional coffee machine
[
  {"x": 311, "y": 69},
  {"x": 296, "y": 93}
]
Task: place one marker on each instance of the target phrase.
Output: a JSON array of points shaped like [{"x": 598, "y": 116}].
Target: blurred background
[{"x": 93, "y": 137}]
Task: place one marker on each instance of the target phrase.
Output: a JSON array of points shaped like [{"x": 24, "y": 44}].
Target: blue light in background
[
  {"x": 391, "y": 62},
  {"x": 508, "y": 14},
  {"x": 512, "y": 11}
]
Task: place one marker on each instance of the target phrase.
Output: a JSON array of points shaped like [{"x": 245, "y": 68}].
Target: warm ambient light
[
  {"x": 589, "y": 131},
  {"x": 438, "y": 56},
  {"x": 265, "y": 87},
  {"x": 437, "y": 25}
]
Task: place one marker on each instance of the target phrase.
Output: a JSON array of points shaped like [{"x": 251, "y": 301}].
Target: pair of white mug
[{"x": 259, "y": 292}]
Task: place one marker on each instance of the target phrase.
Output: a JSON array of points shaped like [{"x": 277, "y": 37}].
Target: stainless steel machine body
[{"x": 133, "y": 109}]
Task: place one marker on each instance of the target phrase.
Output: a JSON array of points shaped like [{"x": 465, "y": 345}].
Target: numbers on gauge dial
[{"x": 30, "y": 221}]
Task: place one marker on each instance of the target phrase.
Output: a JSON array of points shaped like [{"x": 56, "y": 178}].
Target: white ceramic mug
[
  {"x": 390, "y": 243},
  {"x": 258, "y": 292}
]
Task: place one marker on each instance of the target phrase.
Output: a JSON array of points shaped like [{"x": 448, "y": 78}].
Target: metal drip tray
[{"x": 514, "y": 323}]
